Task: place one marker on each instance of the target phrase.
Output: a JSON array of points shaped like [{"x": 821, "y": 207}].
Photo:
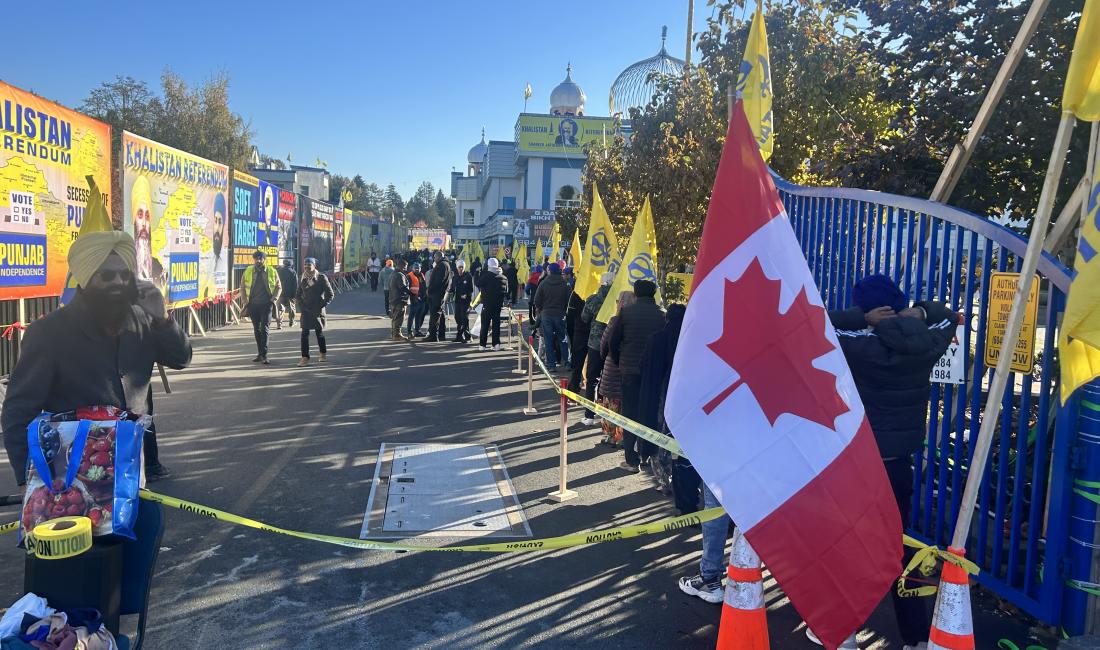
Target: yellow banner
[
  {"x": 46, "y": 151},
  {"x": 639, "y": 262},
  {"x": 602, "y": 250},
  {"x": 551, "y": 135},
  {"x": 754, "y": 84},
  {"x": 175, "y": 203},
  {"x": 1079, "y": 338},
  {"x": 1082, "y": 92}
]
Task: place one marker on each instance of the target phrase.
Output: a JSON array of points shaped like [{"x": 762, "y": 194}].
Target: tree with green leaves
[{"x": 392, "y": 203}]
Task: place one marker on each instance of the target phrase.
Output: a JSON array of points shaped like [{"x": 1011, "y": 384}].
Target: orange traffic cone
[
  {"x": 744, "y": 625},
  {"x": 953, "y": 623}
]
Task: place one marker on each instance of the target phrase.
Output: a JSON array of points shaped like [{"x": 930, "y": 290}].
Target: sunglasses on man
[{"x": 108, "y": 275}]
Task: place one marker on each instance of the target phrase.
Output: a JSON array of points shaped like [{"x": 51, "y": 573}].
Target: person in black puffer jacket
[
  {"x": 891, "y": 349},
  {"x": 494, "y": 291},
  {"x": 628, "y": 339},
  {"x": 439, "y": 284}
]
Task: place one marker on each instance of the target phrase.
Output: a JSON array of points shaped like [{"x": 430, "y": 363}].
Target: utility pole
[{"x": 691, "y": 19}]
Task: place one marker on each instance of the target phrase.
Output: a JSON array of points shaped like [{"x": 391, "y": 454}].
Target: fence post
[
  {"x": 1080, "y": 554},
  {"x": 519, "y": 348},
  {"x": 530, "y": 410},
  {"x": 563, "y": 493}
]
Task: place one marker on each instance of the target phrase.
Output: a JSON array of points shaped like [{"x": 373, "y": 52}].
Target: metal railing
[{"x": 938, "y": 252}]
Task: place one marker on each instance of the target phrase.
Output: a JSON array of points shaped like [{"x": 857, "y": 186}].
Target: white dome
[
  {"x": 567, "y": 98},
  {"x": 477, "y": 152}
]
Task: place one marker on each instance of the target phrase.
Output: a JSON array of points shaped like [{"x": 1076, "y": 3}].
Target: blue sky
[{"x": 395, "y": 91}]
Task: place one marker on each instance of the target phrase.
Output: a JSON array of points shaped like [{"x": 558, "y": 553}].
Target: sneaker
[
  {"x": 711, "y": 592},
  {"x": 483, "y": 348},
  {"x": 278, "y": 326},
  {"x": 496, "y": 348},
  {"x": 418, "y": 334},
  {"x": 458, "y": 340},
  {"x": 399, "y": 337},
  {"x": 323, "y": 357},
  {"x": 812, "y": 637},
  {"x": 303, "y": 362},
  {"x": 259, "y": 358},
  {"x": 156, "y": 473},
  {"x": 633, "y": 469},
  {"x": 588, "y": 422},
  {"x": 265, "y": 361},
  {"x": 431, "y": 339}
]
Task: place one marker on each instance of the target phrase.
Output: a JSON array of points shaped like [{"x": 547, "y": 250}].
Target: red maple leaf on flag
[{"x": 773, "y": 353}]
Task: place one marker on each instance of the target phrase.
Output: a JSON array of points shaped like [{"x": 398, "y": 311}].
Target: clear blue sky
[{"x": 395, "y": 91}]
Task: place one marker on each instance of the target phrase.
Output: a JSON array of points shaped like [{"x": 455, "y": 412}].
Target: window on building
[
  {"x": 508, "y": 203},
  {"x": 568, "y": 197},
  {"x": 305, "y": 190},
  {"x": 468, "y": 217}
]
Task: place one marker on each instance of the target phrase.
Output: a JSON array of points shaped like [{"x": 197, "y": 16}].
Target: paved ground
[{"x": 297, "y": 448}]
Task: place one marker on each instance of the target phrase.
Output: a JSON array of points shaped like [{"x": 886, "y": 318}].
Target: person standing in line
[
  {"x": 289, "y": 281},
  {"x": 611, "y": 384},
  {"x": 512, "y": 275},
  {"x": 439, "y": 285},
  {"x": 494, "y": 291},
  {"x": 399, "y": 296},
  {"x": 314, "y": 294},
  {"x": 463, "y": 287},
  {"x": 374, "y": 268},
  {"x": 576, "y": 332},
  {"x": 587, "y": 320},
  {"x": 384, "y": 278},
  {"x": 260, "y": 289},
  {"x": 628, "y": 339},
  {"x": 475, "y": 267},
  {"x": 551, "y": 300},
  {"x": 422, "y": 302}
]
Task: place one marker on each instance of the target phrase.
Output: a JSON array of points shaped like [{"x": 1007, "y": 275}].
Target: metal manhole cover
[{"x": 440, "y": 490}]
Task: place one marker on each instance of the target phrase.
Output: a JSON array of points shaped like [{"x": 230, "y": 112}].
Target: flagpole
[{"x": 1012, "y": 330}]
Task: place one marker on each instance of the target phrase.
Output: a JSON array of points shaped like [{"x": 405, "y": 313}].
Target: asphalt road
[{"x": 297, "y": 448}]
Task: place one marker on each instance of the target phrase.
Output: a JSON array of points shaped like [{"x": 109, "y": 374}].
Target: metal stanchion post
[
  {"x": 563, "y": 493},
  {"x": 530, "y": 410},
  {"x": 519, "y": 348}
]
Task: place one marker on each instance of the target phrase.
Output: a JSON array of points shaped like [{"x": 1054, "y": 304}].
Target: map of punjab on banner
[
  {"x": 46, "y": 150},
  {"x": 176, "y": 204}
]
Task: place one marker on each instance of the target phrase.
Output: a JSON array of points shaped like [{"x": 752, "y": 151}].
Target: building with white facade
[{"x": 511, "y": 189}]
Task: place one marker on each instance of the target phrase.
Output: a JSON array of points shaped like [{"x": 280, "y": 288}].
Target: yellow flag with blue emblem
[
  {"x": 1082, "y": 93},
  {"x": 555, "y": 243},
  {"x": 754, "y": 84},
  {"x": 523, "y": 267},
  {"x": 602, "y": 252},
  {"x": 639, "y": 262},
  {"x": 1079, "y": 338},
  {"x": 95, "y": 219}
]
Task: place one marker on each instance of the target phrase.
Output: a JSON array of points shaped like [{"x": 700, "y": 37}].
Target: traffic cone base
[
  {"x": 953, "y": 623},
  {"x": 744, "y": 624}
]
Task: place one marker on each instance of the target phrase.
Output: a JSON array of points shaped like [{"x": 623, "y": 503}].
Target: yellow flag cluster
[
  {"x": 1079, "y": 338},
  {"x": 602, "y": 252},
  {"x": 754, "y": 84},
  {"x": 639, "y": 262}
]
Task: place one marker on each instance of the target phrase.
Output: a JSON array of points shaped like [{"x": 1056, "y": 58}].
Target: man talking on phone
[{"x": 98, "y": 350}]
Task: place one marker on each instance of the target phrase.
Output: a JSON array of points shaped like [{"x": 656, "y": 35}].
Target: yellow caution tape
[
  {"x": 565, "y": 541},
  {"x": 60, "y": 538},
  {"x": 924, "y": 560}
]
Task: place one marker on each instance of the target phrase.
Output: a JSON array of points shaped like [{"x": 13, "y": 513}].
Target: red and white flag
[{"x": 762, "y": 401}]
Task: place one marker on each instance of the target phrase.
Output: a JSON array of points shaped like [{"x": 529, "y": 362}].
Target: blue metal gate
[{"x": 937, "y": 252}]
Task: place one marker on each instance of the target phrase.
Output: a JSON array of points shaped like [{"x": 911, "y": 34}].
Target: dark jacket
[
  {"x": 611, "y": 380},
  {"x": 67, "y": 362},
  {"x": 289, "y": 279},
  {"x": 512, "y": 275},
  {"x": 494, "y": 289},
  {"x": 399, "y": 289},
  {"x": 577, "y": 331},
  {"x": 657, "y": 368},
  {"x": 591, "y": 309},
  {"x": 891, "y": 365},
  {"x": 312, "y": 301},
  {"x": 463, "y": 287},
  {"x": 552, "y": 296},
  {"x": 422, "y": 288},
  {"x": 629, "y": 337},
  {"x": 439, "y": 281}
]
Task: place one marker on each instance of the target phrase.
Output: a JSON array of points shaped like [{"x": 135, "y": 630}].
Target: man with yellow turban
[{"x": 99, "y": 349}]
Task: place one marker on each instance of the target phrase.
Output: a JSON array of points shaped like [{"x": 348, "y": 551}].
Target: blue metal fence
[{"x": 937, "y": 252}]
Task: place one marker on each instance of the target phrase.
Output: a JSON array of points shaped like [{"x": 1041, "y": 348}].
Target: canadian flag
[{"x": 762, "y": 401}]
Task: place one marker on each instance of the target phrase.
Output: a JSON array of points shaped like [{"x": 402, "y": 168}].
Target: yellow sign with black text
[
  {"x": 561, "y": 135},
  {"x": 1002, "y": 287}
]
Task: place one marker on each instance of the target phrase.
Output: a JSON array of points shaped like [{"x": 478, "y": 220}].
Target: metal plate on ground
[{"x": 440, "y": 490}]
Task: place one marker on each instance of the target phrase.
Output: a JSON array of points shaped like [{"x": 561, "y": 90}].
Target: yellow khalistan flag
[
  {"x": 575, "y": 253},
  {"x": 639, "y": 262},
  {"x": 1082, "y": 93},
  {"x": 754, "y": 84},
  {"x": 555, "y": 243},
  {"x": 523, "y": 268},
  {"x": 602, "y": 250},
  {"x": 540, "y": 252},
  {"x": 1079, "y": 338}
]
